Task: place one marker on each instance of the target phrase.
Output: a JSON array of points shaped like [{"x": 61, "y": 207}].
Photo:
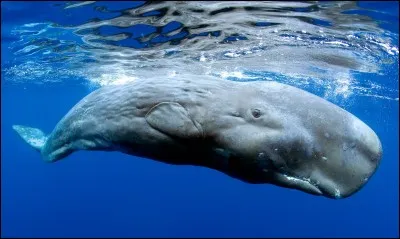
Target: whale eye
[{"x": 256, "y": 113}]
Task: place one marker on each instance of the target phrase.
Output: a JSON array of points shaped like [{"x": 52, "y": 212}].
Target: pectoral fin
[{"x": 173, "y": 119}]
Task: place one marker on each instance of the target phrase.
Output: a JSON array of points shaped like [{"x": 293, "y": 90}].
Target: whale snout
[
  {"x": 346, "y": 168},
  {"x": 368, "y": 139},
  {"x": 332, "y": 162}
]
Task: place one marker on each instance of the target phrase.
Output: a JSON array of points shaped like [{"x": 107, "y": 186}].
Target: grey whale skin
[{"x": 257, "y": 132}]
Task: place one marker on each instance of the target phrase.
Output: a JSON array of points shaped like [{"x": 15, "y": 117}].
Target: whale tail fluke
[{"x": 34, "y": 137}]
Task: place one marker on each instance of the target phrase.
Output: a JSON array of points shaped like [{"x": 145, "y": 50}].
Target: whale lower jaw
[
  {"x": 308, "y": 185},
  {"x": 303, "y": 184}
]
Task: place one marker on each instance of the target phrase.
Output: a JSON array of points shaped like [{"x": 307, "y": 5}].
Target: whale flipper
[
  {"x": 172, "y": 118},
  {"x": 34, "y": 137}
]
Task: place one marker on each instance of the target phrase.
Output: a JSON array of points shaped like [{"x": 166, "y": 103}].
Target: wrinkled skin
[{"x": 258, "y": 132}]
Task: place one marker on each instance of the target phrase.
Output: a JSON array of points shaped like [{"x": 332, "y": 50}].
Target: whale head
[{"x": 282, "y": 135}]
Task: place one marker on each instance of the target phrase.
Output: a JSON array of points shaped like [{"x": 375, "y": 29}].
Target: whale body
[{"x": 258, "y": 132}]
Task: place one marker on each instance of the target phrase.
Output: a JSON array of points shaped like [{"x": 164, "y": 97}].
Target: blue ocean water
[{"x": 55, "y": 53}]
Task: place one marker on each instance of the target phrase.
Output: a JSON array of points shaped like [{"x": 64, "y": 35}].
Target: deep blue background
[{"x": 109, "y": 194}]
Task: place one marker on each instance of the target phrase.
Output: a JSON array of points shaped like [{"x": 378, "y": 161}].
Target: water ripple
[{"x": 322, "y": 45}]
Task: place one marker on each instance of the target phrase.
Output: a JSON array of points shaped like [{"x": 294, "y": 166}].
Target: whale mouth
[{"x": 304, "y": 184}]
